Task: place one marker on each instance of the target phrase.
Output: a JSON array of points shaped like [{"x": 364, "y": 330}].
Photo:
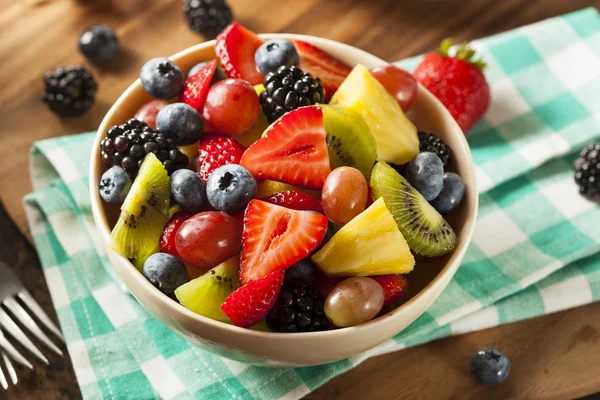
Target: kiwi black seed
[
  {"x": 425, "y": 230},
  {"x": 137, "y": 232},
  {"x": 349, "y": 140}
]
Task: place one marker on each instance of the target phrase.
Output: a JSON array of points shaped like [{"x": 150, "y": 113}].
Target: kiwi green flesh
[
  {"x": 144, "y": 212},
  {"x": 205, "y": 294},
  {"x": 349, "y": 140},
  {"x": 425, "y": 230}
]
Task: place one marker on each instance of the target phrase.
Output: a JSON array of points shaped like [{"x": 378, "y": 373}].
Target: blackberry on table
[
  {"x": 433, "y": 144},
  {"x": 69, "y": 91},
  {"x": 126, "y": 146},
  {"x": 287, "y": 89},
  {"x": 207, "y": 17},
  {"x": 299, "y": 308},
  {"x": 587, "y": 171}
]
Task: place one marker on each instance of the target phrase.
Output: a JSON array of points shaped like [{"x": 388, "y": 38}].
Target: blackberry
[
  {"x": 587, "y": 171},
  {"x": 207, "y": 17},
  {"x": 299, "y": 308},
  {"x": 126, "y": 146},
  {"x": 69, "y": 91},
  {"x": 430, "y": 142},
  {"x": 287, "y": 89}
]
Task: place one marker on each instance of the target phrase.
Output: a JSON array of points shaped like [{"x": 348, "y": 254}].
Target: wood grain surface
[{"x": 553, "y": 357}]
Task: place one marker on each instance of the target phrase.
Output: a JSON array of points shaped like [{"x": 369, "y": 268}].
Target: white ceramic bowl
[{"x": 296, "y": 349}]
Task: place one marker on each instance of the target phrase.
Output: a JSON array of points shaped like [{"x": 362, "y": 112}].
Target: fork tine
[
  {"x": 12, "y": 352},
  {"x": 11, "y": 370},
  {"x": 40, "y": 314},
  {"x": 26, "y": 320},
  {"x": 9, "y": 326},
  {"x": 3, "y": 381}
]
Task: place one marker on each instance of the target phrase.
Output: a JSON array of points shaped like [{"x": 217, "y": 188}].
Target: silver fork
[{"x": 11, "y": 291}]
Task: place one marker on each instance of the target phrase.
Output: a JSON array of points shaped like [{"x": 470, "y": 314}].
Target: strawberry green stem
[{"x": 462, "y": 51}]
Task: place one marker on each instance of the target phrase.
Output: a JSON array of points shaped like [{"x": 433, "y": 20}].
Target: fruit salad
[{"x": 275, "y": 187}]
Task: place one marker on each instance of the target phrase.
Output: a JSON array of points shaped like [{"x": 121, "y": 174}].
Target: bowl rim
[{"x": 168, "y": 305}]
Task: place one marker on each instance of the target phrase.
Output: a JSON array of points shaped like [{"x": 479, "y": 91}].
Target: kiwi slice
[
  {"x": 349, "y": 140},
  {"x": 205, "y": 294},
  {"x": 144, "y": 212},
  {"x": 425, "y": 230}
]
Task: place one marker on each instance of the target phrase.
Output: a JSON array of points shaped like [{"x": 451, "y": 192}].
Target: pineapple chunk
[
  {"x": 370, "y": 244},
  {"x": 395, "y": 134}
]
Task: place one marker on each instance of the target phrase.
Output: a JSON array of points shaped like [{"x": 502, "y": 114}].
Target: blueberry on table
[
  {"x": 114, "y": 185},
  {"x": 426, "y": 173},
  {"x": 99, "y": 44},
  {"x": 490, "y": 365},
  {"x": 161, "y": 78},
  {"x": 188, "y": 190},
  {"x": 451, "y": 195},
  {"x": 180, "y": 122},
  {"x": 165, "y": 272},
  {"x": 230, "y": 188},
  {"x": 275, "y": 53}
]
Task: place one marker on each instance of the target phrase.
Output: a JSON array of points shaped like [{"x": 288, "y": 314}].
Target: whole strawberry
[
  {"x": 457, "y": 81},
  {"x": 216, "y": 151}
]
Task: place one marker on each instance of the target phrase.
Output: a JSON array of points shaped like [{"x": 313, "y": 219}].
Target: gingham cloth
[{"x": 533, "y": 251}]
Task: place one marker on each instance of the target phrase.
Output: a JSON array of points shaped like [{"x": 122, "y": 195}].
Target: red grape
[
  {"x": 232, "y": 107},
  {"x": 149, "y": 111},
  {"x": 399, "y": 83},
  {"x": 354, "y": 301},
  {"x": 209, "y": 238},
  {"x": 344, "y": 195}
]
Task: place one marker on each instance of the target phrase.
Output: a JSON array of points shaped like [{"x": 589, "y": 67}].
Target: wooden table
[{"x": 552, "y": 356}]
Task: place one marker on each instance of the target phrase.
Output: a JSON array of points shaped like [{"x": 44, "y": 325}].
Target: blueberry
[
  {"x": 161, "y": 78},
  {"x": 165, "y": 272},
  {"x": 99, "y": 44},
  {"x": 275, "y": 53},
  {"x": 230, "y": 188},
  {"x": 114, "y": 185},
  {"x": 180, "y": 122},
  {"x": 426, "y": 173},
  {"x": 451, "y": 195},
  {"x": 188, "y": 190},
  {"x": 217, "y": 77},
  {"x": 490, "y": 365},
  {"x": 303, "y": 270}
]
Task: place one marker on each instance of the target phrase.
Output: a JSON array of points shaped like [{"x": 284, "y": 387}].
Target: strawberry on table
[
  {"x": 457, "y": 81},
  {"x": 295, "y": 200},
  {"x": 235, "y": 47},
  {"x": 274, "y": 238},
  {"x": 215, "y": 151},
  {"x": 292, "y": 150},
  {"x": 394, "y": 287},
  {"x": 167, "y": 239},
  {"x": 318, "y": 63},
  {"x": 196, "y": 86},
  {"x": 248, "y": 305}
]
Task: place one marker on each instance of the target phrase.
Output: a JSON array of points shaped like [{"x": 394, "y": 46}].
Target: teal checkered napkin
[{"x": 534, "y": 250}]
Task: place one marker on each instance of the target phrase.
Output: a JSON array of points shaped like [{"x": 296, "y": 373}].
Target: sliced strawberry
[
  {"x": 196, "y": 86},
  {"x": 215, "y": 151},
  {"x": 292, "y": 150},
  {"x": 235, "y": 47},
  {"x": 167, "y": 239},
  {"x": 322, "y": 65},
  {"x": 295, "y": 200},
  {"x": 252, "y": 302},
  {"x": 394, "y": 287},
  {"x": 275, "y": 238}
]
